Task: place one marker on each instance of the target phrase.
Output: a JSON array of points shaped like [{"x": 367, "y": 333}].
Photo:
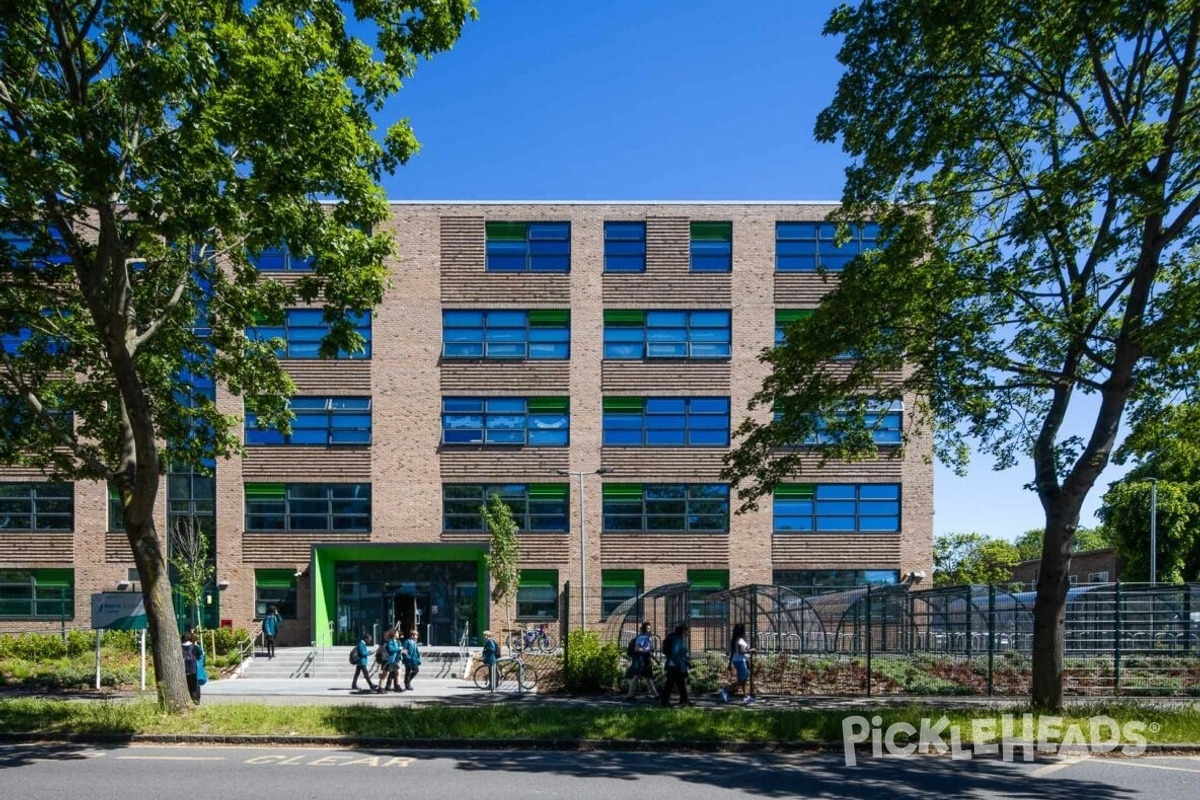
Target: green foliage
[
  {"x": 151, "y": 147},
  {"x": 1029, "y": 543},
  {"x": 503, "y": 552},
  {"x": 969, "y": 558},
  {"x": 229, "y": 640},
  {"x": 591, "y": 666},
  {"x": 1126, "y": 510},
  {"x": 1033, "y": 168}
]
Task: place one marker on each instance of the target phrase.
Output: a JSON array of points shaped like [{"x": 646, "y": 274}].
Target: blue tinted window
[
  {"x": 528, "y": 246},
  {"x": 320, "y": 421},
  {"x": 304, "y": 329},
  {"x": 666, "y": 422},
  {"x": 837, "y": 508},
  {"x": 506, "y": 334},
  {"x": 625, "y": 247},
  {"x": 667, "y": 334},
  {"x": 809, "y": 246},
  {"x": 886, "y": 426},
  {"x": 712, "y": 246},
  {"x": 280, "y": 259},
  {"x": 535, "y": 422}
]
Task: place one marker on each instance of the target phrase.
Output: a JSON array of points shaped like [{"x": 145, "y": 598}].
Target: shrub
[{"x": 591, "y": 666}]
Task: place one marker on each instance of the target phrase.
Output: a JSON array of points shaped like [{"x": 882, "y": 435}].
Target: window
[
  {"x": 308, "y": 506},
  {"x": 712, "y": 246},
  {"x": 632, "y": 334},
  {"x": 533, "y": 422},
  {"x": 537, "y": 594},
  {"x": 37, "y": 594},
  {"x": 706, "y": 582},
  {"x": 318, "y": 421},
  {"x": 666, "y": 422},
  {"x": 44, "y": 507},
  {"x": 1098, "y": 577},
  {"x": 280, "y": 259},
  {"x": 535, "y": 508},
  {"x": 275, "y": 587},
  {"x": 44, "y": 249},
  {"x": 528, "y": 246},
  {"x": 625, "y": 247},
  {"x": 618, "y": 586},
  {"x": 785, "y": 317},
  {"x": 885, "y": 421},
  {"x": 652, "y": 508},
  {"x": 817, "y": 581},
  {"x": 836, "y": 508},
  {"x": 809, "y": 246},
  {"x": 116, "y": 516},
  {"x": 536, "y": 334},
  {"x": 42, "y": 340},
  {"x": 304, "y": 329}
]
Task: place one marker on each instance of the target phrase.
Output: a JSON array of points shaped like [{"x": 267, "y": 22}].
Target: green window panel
[{"x": 537, "y": 595}]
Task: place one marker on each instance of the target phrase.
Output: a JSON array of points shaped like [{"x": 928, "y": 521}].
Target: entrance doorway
[{"x": 436, "y": 599}]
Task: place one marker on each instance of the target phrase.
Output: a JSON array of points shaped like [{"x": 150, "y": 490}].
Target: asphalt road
[{"x": 143, "y": 772}]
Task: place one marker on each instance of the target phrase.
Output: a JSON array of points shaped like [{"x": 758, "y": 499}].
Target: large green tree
[
  {"x": 1165, "y": 447},
  {"x": 149, "y": 146},
  {"x": 972, "y": 558},
  {"x": 1034, "y": 168}
]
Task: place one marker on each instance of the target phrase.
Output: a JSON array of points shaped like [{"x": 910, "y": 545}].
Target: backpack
[
  {"x": 354, "y": 656},
  {"x": 631, "y": 650},
  {"x": 381, "y": 654},
  {"x": 189, "y": 660}
]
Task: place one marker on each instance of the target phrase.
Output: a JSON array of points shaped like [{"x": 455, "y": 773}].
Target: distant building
[{"x": 1089, "y": 566}]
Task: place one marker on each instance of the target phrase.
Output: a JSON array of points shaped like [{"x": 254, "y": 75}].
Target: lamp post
[
  {"x": 582, "y": 539},
  {"x": 1153, "y": 531}
]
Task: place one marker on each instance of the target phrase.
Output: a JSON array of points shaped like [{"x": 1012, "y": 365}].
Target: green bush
[{"x": 591, "y": 666}]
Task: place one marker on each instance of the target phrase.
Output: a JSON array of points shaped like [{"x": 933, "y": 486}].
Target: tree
[
  {"x": 149, "y": 147},
  {"x": 503, "y": 558},
  {"x": 1165, "y": 447},
  {"x": 1029, "y": 543},
  {"x": 1035, "y": 172},
  {"x": 194, "y": 569},
  {"x": 972, "y": 558}
]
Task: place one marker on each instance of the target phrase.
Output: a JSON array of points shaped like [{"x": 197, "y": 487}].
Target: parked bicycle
[
  {"x": 533, "y": 638},
  {"x": 510, "y": 673}
]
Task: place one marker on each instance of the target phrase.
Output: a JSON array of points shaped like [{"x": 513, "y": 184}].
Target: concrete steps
[{"x": 334, "y": 663}]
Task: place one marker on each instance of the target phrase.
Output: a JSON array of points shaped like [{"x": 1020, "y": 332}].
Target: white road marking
[{"x": 1042, "y": 772}]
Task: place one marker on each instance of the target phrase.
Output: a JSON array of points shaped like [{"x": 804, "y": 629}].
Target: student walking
[
  {"x": 270, "y": 625},
  {"x": 678, "y": 663},
  {"x": 491, "y": 654},
  {"x": 391, "y": 667},
  {"x": 412, "y": 659},
  {"x": 193, "y": 657},
  {"x": 362, "y": 664},
  {"x": 641, "y": 663},
  {"x": 739, "y": 652}
]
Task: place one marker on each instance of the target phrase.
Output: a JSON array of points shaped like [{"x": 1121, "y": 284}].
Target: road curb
[{"x": 560, "y": 745}]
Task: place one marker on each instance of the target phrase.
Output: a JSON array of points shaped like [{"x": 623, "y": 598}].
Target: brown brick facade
[{"x": 441, "y": 265}]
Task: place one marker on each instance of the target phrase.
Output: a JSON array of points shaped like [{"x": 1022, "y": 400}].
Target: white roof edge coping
[{"x": 614, "y": 202}]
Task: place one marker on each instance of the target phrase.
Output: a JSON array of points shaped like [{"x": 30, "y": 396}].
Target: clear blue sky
[{"x": 665, "y": 100}]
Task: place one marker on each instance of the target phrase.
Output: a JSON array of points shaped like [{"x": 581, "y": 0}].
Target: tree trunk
[
  {"x": 170, "y": 681},
  {"x": 1050, "y": 607}
]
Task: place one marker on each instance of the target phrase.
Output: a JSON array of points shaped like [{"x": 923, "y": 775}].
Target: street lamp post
[
  {"x": 1153, "y": 531},
  {"x": 582, "y": 539}
]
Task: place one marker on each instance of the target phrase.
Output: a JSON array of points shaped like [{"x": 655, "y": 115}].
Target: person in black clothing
[{"x": 678, "y": 663}]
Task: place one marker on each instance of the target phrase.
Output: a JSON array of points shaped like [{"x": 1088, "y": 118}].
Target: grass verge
[{"x": 439, "y": 723}]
